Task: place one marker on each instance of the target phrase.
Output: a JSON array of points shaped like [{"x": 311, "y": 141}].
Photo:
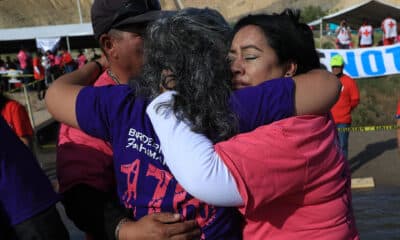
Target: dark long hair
[
  {"x": 192, "y": 45},
  {"x": 290, "y": 39}
]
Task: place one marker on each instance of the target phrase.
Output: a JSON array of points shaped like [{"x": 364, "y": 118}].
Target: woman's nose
[{"x": 237, "y": 67}]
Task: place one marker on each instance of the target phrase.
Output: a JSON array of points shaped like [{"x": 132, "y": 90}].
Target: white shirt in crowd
[
  {"x": 389, "y": 27},
  {"x": 343, "y": 35},
  {"x": 365, "y": 32}
]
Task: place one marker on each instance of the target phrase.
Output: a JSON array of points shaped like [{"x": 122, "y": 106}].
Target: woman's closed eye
[{"x": 250, "y": 57}]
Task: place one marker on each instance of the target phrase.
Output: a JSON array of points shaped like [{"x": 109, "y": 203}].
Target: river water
[{"x": 377, "y": 212}]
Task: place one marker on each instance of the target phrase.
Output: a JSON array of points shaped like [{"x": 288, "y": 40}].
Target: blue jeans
[
  {"x": 68, "y": 68},
  {"x": 343, "y": 138}
]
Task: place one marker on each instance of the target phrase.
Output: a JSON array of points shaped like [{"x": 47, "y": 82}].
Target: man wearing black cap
[{"x": 84, "y": 163}]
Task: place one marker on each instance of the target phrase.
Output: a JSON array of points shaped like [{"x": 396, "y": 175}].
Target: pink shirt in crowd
[
  {"x": 293, "y": 179},
  {"x": 57, "y": 60},
  {"x": 84, "y": 159},
  {"x": 22, "y": 58},
  {"x": 81, "y": 60},
  {"x": 51, "y": 59}
]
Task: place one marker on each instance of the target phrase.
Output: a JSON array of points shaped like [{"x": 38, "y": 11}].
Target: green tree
[{"x": 311, "y": 13}]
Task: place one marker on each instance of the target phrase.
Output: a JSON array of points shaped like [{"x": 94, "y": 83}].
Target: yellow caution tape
[
  {"x": 26, "y": 85},
  {"x": 369, "y": 128},
  {"x": 17, "y": 75}
]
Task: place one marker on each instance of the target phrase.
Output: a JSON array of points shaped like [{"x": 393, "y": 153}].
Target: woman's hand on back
[{"x": 160, "y": 226}]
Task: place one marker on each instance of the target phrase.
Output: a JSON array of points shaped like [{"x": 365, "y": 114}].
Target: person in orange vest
[
  {"x": 39, "y": 74},
  {"x": 348, "y": 99}
]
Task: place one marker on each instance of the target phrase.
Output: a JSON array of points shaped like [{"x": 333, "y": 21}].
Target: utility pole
[
  {"x": 179, "y": 4},
  {"x": 78, "y": 2}
]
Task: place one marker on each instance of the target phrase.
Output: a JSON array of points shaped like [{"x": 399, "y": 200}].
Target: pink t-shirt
[
  {"x": 57, "y": 60},
  {"x": 84, "y": 159},
  {"x": 22, "y": 58},
  {"x": 293, "y": 179},
  {"x": 81, "y": 60}
]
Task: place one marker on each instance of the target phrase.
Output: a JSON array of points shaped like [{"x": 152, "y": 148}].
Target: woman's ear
[
  {"x": 167, "y": 80},
  {"x": 291, "y": 69}
]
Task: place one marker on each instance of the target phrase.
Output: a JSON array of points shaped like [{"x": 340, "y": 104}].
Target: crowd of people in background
[
  {"x": 40, "y": 68},
  {"x": 389, "y": 27},
  {"x": 114, "y": 179}
]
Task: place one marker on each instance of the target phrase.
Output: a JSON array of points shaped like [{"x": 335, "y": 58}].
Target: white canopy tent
[
  {"x": 374, "y": 10},
  {"x": 46, "y": 31},
  {"x": 30, "y": 33}
]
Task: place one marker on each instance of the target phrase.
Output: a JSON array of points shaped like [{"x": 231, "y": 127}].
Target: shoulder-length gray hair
[{"x": 193, "y": 45}]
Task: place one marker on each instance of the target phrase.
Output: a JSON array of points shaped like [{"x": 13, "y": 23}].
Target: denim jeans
[
  {"x": 343, "y": 138},
  {"x": 68, "y": 68}
]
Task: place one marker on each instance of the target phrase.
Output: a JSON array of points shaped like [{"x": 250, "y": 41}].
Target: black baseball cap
[{"x": 108, "y": 14}]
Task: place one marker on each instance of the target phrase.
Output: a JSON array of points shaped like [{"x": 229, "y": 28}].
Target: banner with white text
[
  {"x": 366, "y": 62},
  {"x": 47, "y": 43}
]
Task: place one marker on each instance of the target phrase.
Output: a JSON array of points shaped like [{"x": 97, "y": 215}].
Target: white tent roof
[
  {"x": 375, "y": 11},
  {"x": 24, "y": 33}
]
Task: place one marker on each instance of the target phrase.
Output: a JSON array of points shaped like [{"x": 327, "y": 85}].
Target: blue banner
[{"x": 366, "y": 62}]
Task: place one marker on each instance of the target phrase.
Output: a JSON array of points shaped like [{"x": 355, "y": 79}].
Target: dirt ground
[{"x": 375, "y": 154}]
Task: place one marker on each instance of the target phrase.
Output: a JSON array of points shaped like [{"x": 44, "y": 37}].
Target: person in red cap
[{"x": 85, "y": 168}]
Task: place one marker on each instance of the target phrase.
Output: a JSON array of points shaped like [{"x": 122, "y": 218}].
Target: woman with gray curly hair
[
  {"x": 289, "y": 179},
  {"x": 188, "y": 53}
]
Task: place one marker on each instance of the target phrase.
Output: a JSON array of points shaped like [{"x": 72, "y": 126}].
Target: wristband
[{"x": 119, "y": 225}]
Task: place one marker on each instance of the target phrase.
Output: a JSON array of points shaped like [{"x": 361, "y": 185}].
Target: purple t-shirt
[
  {"x": 144, "y": 182},
  {"x": 24, "y": 189}
]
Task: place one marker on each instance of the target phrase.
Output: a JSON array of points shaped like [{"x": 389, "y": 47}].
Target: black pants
[
  {"x": 41, "y": 89},
  {"x": 46, "y": 225},
  {"x": 92, "y": 211}
]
